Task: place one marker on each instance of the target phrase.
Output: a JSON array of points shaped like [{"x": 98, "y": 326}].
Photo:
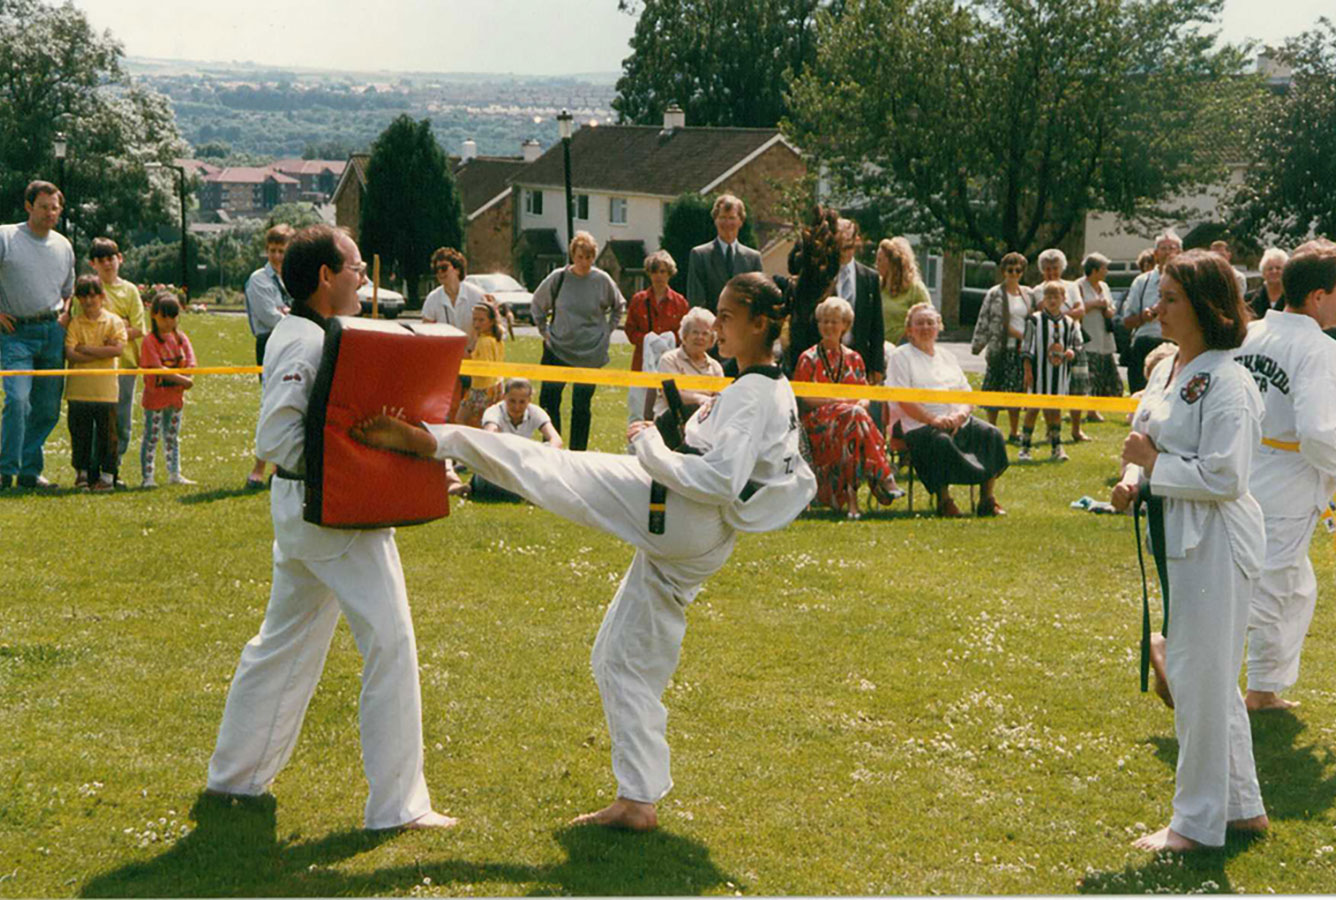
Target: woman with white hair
[
  {"x": 1271, "y": 295},
  {"x": 691, "y": 357},
  {"x": 947, "y": 444},
  {"x": 1098, "y": 324},
  {"x": 847, "y": 446}
]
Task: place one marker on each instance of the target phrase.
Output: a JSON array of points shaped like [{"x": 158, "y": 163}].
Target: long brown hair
[
  {"x": 904, "y": 267},
  {"x": 1208, "y": 281}
]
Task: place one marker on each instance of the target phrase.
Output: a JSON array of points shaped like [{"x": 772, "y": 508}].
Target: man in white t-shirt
[{"x": 514, "y": 414}]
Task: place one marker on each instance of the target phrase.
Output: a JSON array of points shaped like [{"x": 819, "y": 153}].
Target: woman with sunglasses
[{"x": 1000, "y": 329}]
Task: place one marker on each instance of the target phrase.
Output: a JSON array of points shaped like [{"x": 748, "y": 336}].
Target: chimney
[
  {"x": 469, "y": 151},
  {"x": 532, "y": 150},
  {"x": 673, "y": 118}
]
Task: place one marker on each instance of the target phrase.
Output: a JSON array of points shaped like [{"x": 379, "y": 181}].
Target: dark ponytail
[{"x": 762, "y": 297}]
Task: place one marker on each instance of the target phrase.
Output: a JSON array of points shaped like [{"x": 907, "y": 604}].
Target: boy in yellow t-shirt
[
  {"x": 122, "y": 299},
  {"x": 94, "y": 339}
]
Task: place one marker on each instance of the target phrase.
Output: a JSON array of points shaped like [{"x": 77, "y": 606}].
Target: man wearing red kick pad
[{"x": 319, "y": 572}]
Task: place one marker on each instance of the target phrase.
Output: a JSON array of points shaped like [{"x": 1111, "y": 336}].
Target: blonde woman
[{"x": 901, "y": 286}]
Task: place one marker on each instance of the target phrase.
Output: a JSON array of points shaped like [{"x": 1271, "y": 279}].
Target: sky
[{"x": 529, "y": 37}]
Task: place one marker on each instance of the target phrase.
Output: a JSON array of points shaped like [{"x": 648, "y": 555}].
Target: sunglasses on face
[
  {"x": 1013, "y": 269},
  {"x": 443, "y": 268}
]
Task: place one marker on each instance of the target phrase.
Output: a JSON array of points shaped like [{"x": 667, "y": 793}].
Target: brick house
[
  {"x": 246, "y": 191},
  {"x": 348, "y": 193},
  {"x": 318, "y": 177},
  {"x": 623, "y": 178}
]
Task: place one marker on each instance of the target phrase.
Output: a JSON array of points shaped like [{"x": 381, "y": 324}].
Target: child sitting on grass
[
  {"x": 165, "y": 347},
  {"x": 1050, "y": 344},
  {"x": 94, "y": 340}
]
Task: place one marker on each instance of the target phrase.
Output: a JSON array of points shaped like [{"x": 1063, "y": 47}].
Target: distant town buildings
[{"x": 252, "y": 191}]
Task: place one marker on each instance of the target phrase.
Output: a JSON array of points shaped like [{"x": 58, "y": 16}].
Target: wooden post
[{"x": 375, "y": 286}]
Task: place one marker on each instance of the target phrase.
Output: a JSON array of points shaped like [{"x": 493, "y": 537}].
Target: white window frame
[
  {"x": 529, "y": 204},
  {"x": 613, "y": 206}
]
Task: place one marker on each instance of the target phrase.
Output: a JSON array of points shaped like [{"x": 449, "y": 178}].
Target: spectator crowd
[{"x": 850, "y": 324}]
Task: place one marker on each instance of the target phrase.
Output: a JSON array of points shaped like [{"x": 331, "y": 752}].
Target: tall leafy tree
[
  {"x": 998, "y": 124},
  {"x": 724, "y": 62},
  {"x": 1287, "y": 192},
  {"x": 411, "y": 205},
  {"x": 62, "y": 75}
]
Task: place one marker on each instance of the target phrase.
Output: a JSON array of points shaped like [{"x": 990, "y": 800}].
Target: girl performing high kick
[{"x": 741, "y": 468}]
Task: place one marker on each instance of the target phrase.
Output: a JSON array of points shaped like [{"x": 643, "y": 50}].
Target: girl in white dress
[
  {"x": 741, "y": 468},
  {"x": 1191, "y": 449}
]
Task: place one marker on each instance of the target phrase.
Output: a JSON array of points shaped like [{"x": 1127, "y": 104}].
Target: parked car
[
  {"x": 509, "y": 293},
  {"x": 391, "y": 303}
]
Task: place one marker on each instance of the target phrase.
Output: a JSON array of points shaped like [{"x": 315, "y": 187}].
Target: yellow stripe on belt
[{"x": 1291, "y": 446}]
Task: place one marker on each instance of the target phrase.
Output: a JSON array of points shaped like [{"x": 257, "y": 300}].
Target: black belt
[
  {"x": 658, "y": 505},
  {"x": 1155, "y": 521},
  {"x": 281, "y": 472},
  {"x": 49, "y": 316}
]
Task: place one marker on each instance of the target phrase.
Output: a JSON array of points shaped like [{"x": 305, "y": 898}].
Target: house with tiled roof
[
  {"x": 246, "y": 191},
  {"x": 623, "y": 177},
  {"x": 318, "y": 177}
]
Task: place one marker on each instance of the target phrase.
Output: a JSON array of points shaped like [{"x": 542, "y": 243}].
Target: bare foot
[
  {"x": 1256, "y": 825},
  {"x": 431, "y": 819},
  {"x": 388, "y": 433},
  {"x": 1157, "y": 663},
  {"x": 622, "y": 813},
  {"x": 1256, "y": 701},
  {"x": 1166, "y": 839}
]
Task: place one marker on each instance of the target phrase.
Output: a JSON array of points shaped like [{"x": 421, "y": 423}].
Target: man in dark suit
[
  {"x": 714, "y": 262},
  {"x": 861, "y": 286}
]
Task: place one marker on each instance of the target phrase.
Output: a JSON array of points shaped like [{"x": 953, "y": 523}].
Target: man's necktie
[
  {"x": 728, "y": 259},
  {"x": 282, "y": 291}
]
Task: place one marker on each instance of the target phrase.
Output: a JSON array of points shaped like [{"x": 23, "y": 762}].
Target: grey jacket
[
  {"x": 707, "y": 274},
  {"x": 579, "y": 325}
]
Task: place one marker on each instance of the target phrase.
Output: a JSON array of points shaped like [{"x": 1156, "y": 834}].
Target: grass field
[{"x": 896, "y": 705}]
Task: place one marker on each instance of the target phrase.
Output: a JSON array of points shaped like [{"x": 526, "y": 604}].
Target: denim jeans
[
  {"x": 32, "y": 405},
  {"x": 125, "y": 411}
]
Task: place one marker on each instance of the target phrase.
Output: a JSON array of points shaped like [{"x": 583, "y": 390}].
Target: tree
[
  {"x": 1287, "y": 192},
  {"x": 724, "y": 62},
  {"x": 328, "y": 149},
  {"x": 411, "y": 205},
  {"x": 996, "y": 125},
  {"x": 61, "y": 75},
  {"x": 686, "y": 224}
]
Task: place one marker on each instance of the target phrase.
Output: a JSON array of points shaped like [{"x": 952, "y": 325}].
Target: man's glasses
[{"x": 359, "y": 269}]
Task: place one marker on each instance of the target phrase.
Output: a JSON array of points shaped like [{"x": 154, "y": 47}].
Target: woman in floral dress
[{"x": 847, "y": 446}]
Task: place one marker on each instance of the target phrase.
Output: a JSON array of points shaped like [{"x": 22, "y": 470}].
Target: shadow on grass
[
  {"x": 235, "y": 851},
  {"x": 215, "y": 495},
  {"x": 1199, "y": 872}
]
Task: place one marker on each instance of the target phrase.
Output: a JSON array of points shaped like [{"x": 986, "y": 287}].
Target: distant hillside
[{"x": 242, "y": 109}]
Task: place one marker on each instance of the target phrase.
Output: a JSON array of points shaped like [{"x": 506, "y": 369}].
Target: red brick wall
[
  {"x": 348, "y": 211},
  {"x": 489, "y": 237}
]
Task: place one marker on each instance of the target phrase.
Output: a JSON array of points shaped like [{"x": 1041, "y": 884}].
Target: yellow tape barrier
[{"x": 623, "y": 378}]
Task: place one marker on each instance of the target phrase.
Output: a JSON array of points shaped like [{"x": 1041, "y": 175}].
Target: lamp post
[
  {"x": 565, "y": 122},
  {"x": 59, "y": 145},
  {"x": 181, "y": 184}
]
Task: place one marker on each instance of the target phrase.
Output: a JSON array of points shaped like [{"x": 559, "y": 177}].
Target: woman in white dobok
[{"x": 1192, "y": 444}]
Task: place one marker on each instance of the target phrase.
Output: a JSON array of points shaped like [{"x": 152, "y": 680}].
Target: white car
[
  {"x": 391, "y": 303},
  {"x": 509, "y": 293}
]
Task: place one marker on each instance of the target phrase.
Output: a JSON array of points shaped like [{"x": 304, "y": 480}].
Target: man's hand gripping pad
[{"x": 371, "y": 366}]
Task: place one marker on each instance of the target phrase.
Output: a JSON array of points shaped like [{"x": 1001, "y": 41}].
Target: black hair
[
  {"x": 164, "y": 303},
  {"x": 87, "y": 285},
  {"x": 1208, "y": 281},
  {"x": 309, "y": 249},
  {"x": 762, "y": 297}
]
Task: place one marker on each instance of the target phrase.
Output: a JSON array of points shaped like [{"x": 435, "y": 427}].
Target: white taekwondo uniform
[
  {"x": 1206, "y": 424},
  {"x": 750, "y": 437},
  {"x": 1294, "y": 366},
  {"x": 319, "y": 572}
]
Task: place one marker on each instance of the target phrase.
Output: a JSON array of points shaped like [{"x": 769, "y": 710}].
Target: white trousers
[
  {"x": 639, "y": 642},
  {"x": 280, "y": 666},
  {"x": 1209, "y": 599},
  {"x": 1282, "y": 607}
]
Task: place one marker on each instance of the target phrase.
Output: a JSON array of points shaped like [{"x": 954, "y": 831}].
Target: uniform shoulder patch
[
  {"x": 292, "y": 376},
  {"x": 1196, "y": 387}
]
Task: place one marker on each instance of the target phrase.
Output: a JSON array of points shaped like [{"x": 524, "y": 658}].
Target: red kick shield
[{"x": 370, "y": 366}]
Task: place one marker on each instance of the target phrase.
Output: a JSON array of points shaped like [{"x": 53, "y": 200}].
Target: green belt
[{"x": 1155, "y": 522}]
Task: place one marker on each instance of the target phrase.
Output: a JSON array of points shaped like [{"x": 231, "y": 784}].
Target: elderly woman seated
[
  {"x": 692, "y": 357},
  {"x": 948, "y": 445},
  {"x": 847, "y": 446}
]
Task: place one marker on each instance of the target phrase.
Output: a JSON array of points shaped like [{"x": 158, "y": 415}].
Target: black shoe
[
  {"x": 6, "y": 482},
  {"x": 37, "y": 483}
]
